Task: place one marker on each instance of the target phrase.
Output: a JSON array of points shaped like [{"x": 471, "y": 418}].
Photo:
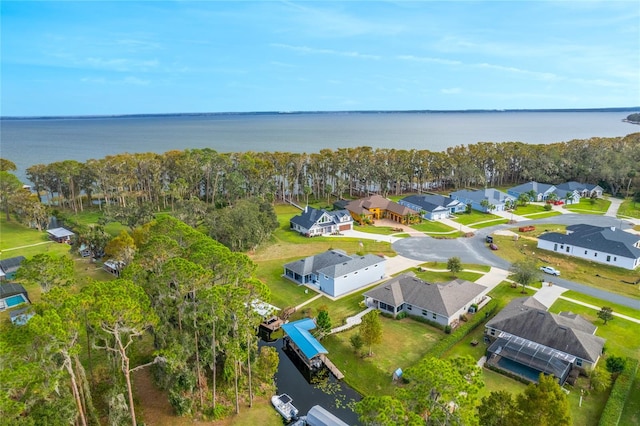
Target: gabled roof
[
  {"x": 333, "y": 263},
  {"x": 11, "y": 264},
  {"x": 490, "y": 194},
  {"x": 539, "y": 188},
  {"x": 604, "y": 239},
  {"x": 568, "y": 332},
  {"x": 11, "y": 289},
  {"x": 431, "y": 202},
  {"x": 298, "y": 331},
  {"x": 363, "y": 206},
  {"x": 577, "y": 186},
  {"x": 60, "y": 232},
  {"x": 311, "y": 216},
  {"x": 444, "y": 299}
]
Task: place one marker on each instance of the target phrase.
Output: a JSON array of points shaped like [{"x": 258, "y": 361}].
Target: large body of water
[{"x": 33, "y": 141}]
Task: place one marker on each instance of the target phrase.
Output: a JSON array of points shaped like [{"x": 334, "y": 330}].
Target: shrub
[
  {"x": 401, "y": 315},
  {"x": 547, "y": 207},
  {"x": 426, "y": 321},
  {"x": 619, "y": 394},
  {"x": 447, "y": 329},
  {"x": 615, "y": 364}
]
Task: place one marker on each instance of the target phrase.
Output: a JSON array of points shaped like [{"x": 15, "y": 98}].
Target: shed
[
  {"x": 397, "y": 375},
  {"x": 12, "y": 294},
  {"x": 318, "y": 416},
  {"x": 60, "y": 235},
  {"x": 9, "y": 267}
]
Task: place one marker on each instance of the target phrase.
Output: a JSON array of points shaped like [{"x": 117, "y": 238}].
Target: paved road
[{"x": 474, "y": 250}]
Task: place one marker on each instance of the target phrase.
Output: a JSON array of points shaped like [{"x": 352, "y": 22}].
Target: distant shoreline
[{"x": 213, "y": 114}]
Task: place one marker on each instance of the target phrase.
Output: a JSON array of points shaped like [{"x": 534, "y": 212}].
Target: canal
[{"x": 294, "y": 379}]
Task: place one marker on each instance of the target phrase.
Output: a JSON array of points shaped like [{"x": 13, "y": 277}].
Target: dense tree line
[
  {"x": 165, "y": 180},
  {"x": 189, "y": 294}
]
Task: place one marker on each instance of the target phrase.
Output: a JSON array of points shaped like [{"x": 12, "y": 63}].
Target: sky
[{"x": 124, "y": 57}]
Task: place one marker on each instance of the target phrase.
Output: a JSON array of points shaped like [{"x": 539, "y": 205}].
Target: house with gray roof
[
  {"x": 9, "y": 267},
  {"x": 336, "y": 273},
  {"x": 442, "y": 303},
  {"x": 610, "y": 246},
  {"x": 433, "y": 206},
  {"x": 583, "y": 189},
  {"x": 541, "y": 190},
  {"x": 496, "y": 199},
  {"x": 60, "y": 235},
  {"x": 312, "y": 222},
  {"x": 528, "y": 340}
]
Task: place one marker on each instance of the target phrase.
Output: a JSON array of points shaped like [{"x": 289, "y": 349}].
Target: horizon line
[{"x": 170, "y": 114}]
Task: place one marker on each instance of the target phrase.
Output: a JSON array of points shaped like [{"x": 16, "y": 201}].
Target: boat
[{"x": 283, "y": 405}]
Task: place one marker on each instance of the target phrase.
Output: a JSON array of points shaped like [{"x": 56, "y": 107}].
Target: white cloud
[{"x": 316, "y": 51}]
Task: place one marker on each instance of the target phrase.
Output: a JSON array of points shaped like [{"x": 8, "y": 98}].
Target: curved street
[{"x": 474, "y": 250}]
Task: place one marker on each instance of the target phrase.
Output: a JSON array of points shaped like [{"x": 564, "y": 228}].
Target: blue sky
[{"x": 83, "y": 58}]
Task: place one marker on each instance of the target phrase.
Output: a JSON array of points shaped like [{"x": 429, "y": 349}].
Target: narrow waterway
[{"x": 322, "y": 389}]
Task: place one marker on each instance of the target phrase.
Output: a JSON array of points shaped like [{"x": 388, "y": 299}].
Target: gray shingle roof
[
  {"x": 577, "y": 186},
  {"x": 444, "y": 299},
  {"x": 11, "y": 264},
  {"x": 527, "y": 318},
  {"x": 490, "y": 194},
  {"x": 310, "y": 216},
  {"x": 60, "y": 232},
  {"x": 539, "y": 188},
  {"x": 603, "y": 239},
  {"x": 332, "y": 263},
  {"x": 430, "y": 202}
]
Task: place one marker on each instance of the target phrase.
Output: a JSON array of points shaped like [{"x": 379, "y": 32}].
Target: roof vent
[{"x": 613, "y": 228}]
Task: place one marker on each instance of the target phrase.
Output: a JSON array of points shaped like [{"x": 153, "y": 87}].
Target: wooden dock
[
  {"x": 331, "y": 366},
  {"x": 272, "y": 324}
]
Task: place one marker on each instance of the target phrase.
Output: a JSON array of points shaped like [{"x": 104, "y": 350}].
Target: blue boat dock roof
[{"x": 298, "y": 332}]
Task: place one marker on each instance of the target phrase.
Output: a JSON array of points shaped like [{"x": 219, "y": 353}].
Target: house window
[
  {"x": 493, "y": 332},
  {"x": 595, "y": 254},
  {"x": 561, "y": 246},
  {"x": 615, "y": 259},
  {"x": 409, "y": 307},
  {"x": 433, "y": 316},
  {"x": 355, "y": 272},
  {"x": 585, "y": 252},
  {"x": 578, "y": 362},
  {"x": 567, "y": 249},
  {"x": 425, "y": 313},
  {"x": 608, "y": 258}
]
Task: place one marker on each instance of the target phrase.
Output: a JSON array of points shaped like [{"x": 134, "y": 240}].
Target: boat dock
[
  {"x": 331, "y": 367},
  {"x": 272, "y": 324}
]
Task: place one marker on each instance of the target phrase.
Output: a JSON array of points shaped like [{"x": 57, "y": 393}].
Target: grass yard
[
  {"x": 622, "y": 336},
  {"x": 542, "y": 215},
  {"x": 339, "y": 310},
  {"x": 404, "y": 342},
  {"x": 380, "y": 230},
  {"x": 585, "y": 206},
  {"x": 284, "y": 293},
  {"x": 433, "y": 227},
  {"x": 529, "y": 209},
  {"x": 16, "y": 235},
  {"x": 474, "y": 217},
  {"x": 441, "y": 277},
  {"x": 488, "y": 223},
  {"x": 629, "y": 209},
  {"x": 574, "y": 269},
  {"x": 592, "y": 403},
  {"x": 619, "y": 309},
  {"x": 442, "y": 266}
]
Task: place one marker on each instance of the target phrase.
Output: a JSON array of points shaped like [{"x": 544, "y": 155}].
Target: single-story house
[
  {"x": 376, "y": 207},
  {"x": 113, "y": 267},
  {"x": 541, "y": 190},
  {"x": 494, "y": 198},
  {"x": 336, "y": 273},
  {"x": 568, "y": 196},
  {"x": 297, "y": 337},
  {"x": 443, "y": 303},
  {"x": 606, "y": 245},
  {"x": 12, "y": 294},
  {"x": 583, "y": 189},
  {"x": 60, "y": 235},
  {"x": 433, "y": 206},
  {"x": 312, "y": 222},
  {"x": 9, "y": 267},
  {"x": 528, "y": 340}
]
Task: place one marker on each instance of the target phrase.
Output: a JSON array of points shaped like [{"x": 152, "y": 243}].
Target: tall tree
[
  {"x": 605, "y": 314},
  {"x": 371, "y": 329},
  {"x": 543, "y": 404},
  {"x": 497, "y": 409},
  {"x": 525, "y": 272},
  {"x": 454, "y": 264},
  {"x": 47, "y": 270},
  {"x": 120, "y": 313},
  {"x": 9, "y": 185}
]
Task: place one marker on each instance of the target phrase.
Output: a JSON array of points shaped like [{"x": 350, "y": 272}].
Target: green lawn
[
  {"x": 620, "y": 309},
  {"x": 474, "y": 217},
  {"x": 380, "y": 230},
  {"x": 442, "y": 266},
  {"x": 339, "y": 310},
  {"x": 404, "y": 343},
  {"x": 16, "y": 235},
  {"x": 629, "y": 209},
  {"x": 486, "y": 224},
  {"x": 441, "y": 277},
  {"x": 622, "y": 335},
  {"x": 592, "y": 403},
  {"x": 284, "y": 292},
  {"x": 542, "y": 215},
  {"x": 435, "y": 227},
  {"x": 585, "y": 206},
  {"x": 529, "y": 209}
]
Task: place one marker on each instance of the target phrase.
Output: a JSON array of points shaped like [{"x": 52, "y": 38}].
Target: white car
[{"x": 550, "y": 270}]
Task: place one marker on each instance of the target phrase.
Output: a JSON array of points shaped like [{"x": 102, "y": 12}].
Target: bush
[
  {"x": 619, "y": 394},
  {"x": 426, "y": 321},
  {"x": 401, "y": 315},
  {"x": 447, "y": 329},
  {"x": 547, "y": 207},
  {"x": 616, "y": 364}
]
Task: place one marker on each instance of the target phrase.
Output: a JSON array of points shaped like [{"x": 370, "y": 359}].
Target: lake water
[{"x": 33, "y": 141}]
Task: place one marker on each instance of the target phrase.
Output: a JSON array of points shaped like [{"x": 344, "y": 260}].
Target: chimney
[{"x": 613, "y": 228}]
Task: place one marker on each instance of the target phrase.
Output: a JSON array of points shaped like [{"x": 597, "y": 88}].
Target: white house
[
  {"x": 494, "y": 198},
  {"x": 610, "y": 246},
  {"x": 583, "y": 189},
  {"x": 442, "y": 303},
  {"x": 313, "y": 222},
  {"x": 336, "y": 273},
  {"x": 541, "y": 190},
  {"x": 433, "y": 206}
]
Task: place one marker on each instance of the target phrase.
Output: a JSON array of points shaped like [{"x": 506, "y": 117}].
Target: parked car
[
  {"x": 493, "y": 246},
  {"x": 489, "y": 239},
  {"x": 550, "y": 270}
]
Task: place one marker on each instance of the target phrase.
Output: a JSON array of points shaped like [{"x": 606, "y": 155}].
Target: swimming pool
[
  {"x": 519, "y": 369},
  {"x": 14, "y": 300}
]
